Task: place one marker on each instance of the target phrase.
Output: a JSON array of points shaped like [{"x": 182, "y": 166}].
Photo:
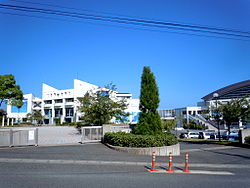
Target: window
[
  {"x": 58, "y": 101},
  {"x": 58, "y": 112},
  {"x": 48, "y": 102},
  {"x": 69, "y": 100},
  {"x": 48, "y": 112},
  {"x": 69, "y": 112}
]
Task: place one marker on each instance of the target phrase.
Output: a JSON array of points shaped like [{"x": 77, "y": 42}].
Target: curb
[{"x": 159, "y": 151}]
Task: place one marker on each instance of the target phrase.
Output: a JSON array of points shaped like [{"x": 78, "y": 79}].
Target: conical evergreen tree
[{"x": 149, "y": 119}]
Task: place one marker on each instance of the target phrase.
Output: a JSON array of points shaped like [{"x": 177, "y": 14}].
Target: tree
[
  {"x": 169, "y": 125},
  {"x": 100, "y": 106},
  {"x": 235, "y": 110},
  {"x": 192, "y": 125},
  {"x": 149, "y": 119},
  {"x": 35, "y": 116},
  {"x": 10, "y": 91}
]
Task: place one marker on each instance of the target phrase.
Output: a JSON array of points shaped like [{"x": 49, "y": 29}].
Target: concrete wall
[
  {"x": 159, "y": 151},
  {"x": 115, "y": 128}
]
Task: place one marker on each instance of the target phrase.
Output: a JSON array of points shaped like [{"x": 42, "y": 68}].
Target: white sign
[{"x": 32, "y": 135}]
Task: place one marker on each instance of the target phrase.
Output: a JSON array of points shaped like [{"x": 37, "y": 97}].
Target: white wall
[{"x": 29, "y": 98}]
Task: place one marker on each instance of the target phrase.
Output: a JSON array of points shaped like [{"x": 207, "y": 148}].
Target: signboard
[{"x": 32, "y": 135}]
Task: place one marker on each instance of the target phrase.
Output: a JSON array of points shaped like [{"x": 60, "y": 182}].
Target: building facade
[
  {"x": 61, "y": 106},
  {"x": 223, "y": 96},
  {"x": 30, "y": 104}
]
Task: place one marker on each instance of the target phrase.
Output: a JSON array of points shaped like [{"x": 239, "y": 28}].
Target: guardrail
[{"x": 19, "y": 137}]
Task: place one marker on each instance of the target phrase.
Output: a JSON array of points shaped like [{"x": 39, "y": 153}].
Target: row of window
[
  {"x": 191, "y": 112},
  {"x": 58, "y": 94},
  {"x": 59, "y": 101},
  {"x": 69, "y": 112}
]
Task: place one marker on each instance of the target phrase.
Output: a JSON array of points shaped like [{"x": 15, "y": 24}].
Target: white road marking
[
  {"x": 194, "y": 172},
  {"x": 92, "y": 162}
]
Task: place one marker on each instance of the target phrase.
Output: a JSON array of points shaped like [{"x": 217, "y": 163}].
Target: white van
[
  {"x": 192, "y": 135},
  {"x": 205, "y": 135}
]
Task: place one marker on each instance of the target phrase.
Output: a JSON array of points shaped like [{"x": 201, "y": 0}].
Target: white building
[
  {"x": 31, "y": 103},
  {"x": 61, "y": 106}
]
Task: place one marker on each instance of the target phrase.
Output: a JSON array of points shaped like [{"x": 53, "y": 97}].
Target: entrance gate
[{"x": 92, "y": 134}]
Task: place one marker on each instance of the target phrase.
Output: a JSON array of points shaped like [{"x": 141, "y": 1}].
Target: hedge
[
  {"x": 131, "y": 140},
  {"x": 247, "y": 139}
]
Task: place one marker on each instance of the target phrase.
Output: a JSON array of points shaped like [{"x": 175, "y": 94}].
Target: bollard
[
  {"x": 170, "y": 166},
  {"x": 153, "y": 163},
  {"x": 186, "y": 164}
]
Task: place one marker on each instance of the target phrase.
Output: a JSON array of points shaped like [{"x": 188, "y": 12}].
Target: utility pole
[{"x": 215, "y": 96}]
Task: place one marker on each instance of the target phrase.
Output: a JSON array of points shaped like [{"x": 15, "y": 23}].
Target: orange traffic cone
[
  {"x": 170, "y": 166},
  {"x": 186, "y": 164},
  {"x": 153, "y": 163}
]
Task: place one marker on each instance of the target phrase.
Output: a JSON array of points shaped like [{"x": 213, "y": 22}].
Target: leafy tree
[
  {"x": 235, "y": 110},
  {"x": 2, "y": 112},
  {"x": 18, "y": 103},
  {"x": 100, "y": 106},
  {"x": 192, "y": 125},
  {"x": 10, "y": 91},
  {"x": 35, "y": 116},
  {"x": 169, "y": 125},
  {"x": 149, "y": 119}
]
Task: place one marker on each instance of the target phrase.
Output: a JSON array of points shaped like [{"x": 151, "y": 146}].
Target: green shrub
[
  {"x": 131, "y": 140},
  {"x": 247, "y": 139}
]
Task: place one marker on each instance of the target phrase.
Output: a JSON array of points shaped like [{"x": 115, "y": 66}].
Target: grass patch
[{"x": 235, "y": 143}]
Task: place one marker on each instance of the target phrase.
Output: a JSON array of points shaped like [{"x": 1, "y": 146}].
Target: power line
[
  {"x": 139, "y": 22},
  {"x": 124, "y": 27},
  {"x": 129, "y": 18}
]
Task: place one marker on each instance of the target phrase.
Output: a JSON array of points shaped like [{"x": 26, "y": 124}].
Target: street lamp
[{"x": 215, "y": 96}]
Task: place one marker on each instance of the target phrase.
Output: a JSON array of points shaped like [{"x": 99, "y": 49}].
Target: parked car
[
  {"x": 247, "y": 126},
  {"x": 215, "y": 136},
  {"x": 206, "y": 135},
  {"x": 232, "y": 136},
  {"x": 192, "y": 135},
  {"x": 183, "y": 135}
]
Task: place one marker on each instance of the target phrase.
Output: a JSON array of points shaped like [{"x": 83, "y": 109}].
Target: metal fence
[
  {"x": 96, "y": 133},
  {"x": 92, "y": 134},
  {"x": 19, "y": 137}
]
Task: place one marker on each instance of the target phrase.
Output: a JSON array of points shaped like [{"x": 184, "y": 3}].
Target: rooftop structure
[{"x": 237, "y": 90}]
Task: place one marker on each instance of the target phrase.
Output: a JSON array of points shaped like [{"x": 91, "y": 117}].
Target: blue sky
[{"x": 186, "y": 67}]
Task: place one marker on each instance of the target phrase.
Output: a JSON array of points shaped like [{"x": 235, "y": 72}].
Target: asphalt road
[{"x": 95, "y": 165}]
